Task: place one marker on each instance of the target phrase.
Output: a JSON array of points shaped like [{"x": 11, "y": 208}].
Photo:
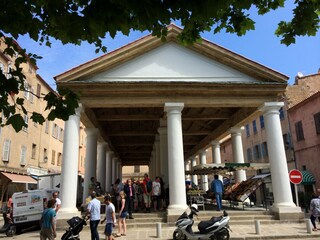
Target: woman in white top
[{"x": 156, "y": 193}]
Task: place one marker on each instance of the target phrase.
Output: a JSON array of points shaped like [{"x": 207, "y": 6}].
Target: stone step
[{"x": 149, "y": 220}]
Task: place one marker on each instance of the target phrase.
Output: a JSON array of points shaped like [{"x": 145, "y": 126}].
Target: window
[
  {"x": 287, "y": 141},
  {"x": 247, "y": 130},
  {"x": 53, "y": 158},
  {"x": 26, "y": 119},
  {"x": 256, "y": 152},
  {"x": 26, "y": 90},
  {"x": 136, "y": 169},
  {"x": 38, "y": 90},
  {"x": 249, "y": 154},
  {"x": 61, "y": 134},
  {"x": 59, "y": 159},
  {"x": 23, "y": 155},
  {"x": 261, "y": 121},
  {"x": 31, "y": 94},
  {"x": 254, "y": 125},
  {"x": 55, "y": 130},
  {"x": 281, "y": 113},
  {"x": 299, "y": 131},
  {"x": 317, "y": 122},
  {"x": 45, "y": 155},
  {"x": 46, "y": 130},
  {"x": 264, "y": 149},
  {"x": 34, "y": 151},
  {"x": 6, "y": 150}
]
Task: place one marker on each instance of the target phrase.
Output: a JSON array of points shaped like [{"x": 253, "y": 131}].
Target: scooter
[{"x": 216, "y": 228}]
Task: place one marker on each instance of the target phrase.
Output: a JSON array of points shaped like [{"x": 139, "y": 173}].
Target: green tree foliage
[{"x": 74, "y": 21}]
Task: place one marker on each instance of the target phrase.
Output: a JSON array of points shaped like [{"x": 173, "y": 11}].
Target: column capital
[
  {"x": 162, "y": 130},
  {"x": 157, "y": 138},
  {"x": 215, "y": 143},
  {"x": 91, "y": 131},
  {"x": 271, "y": 107},
  {"x": 203, "y": 151},
  {"x": 236, "y": 130},
  {"x": 170, "y": 107},
  {"x": 79, "y": 110},
  {"x": 103, "y": 143}
]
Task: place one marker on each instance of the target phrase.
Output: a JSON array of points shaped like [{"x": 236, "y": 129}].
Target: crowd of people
[
  {"x": 123, "y": 199},
  {"x": 139, "y": 196}
]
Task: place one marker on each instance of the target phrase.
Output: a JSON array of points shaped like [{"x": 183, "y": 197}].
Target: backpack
[{"x": 149, "y": 186}]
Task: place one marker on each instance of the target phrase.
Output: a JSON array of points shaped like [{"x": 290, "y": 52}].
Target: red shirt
[{"x": 145, "y": 184}]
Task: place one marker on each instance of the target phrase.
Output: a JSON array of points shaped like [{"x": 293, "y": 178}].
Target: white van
[{"x": 28, "y": 207}]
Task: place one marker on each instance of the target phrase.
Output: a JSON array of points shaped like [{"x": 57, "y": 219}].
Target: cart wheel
[
  {"x": 11, "y": 231},
  {"x": 66, "y": 235}
]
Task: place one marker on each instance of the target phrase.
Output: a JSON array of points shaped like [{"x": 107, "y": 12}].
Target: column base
[
  {"x": 287, "y": 213},
  {"x": 67, "y": 213},
  {"x": 64, "y": 215},
  {"x": 174, "y": 212}
]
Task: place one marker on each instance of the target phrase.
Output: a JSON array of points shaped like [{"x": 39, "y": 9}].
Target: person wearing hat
[{"x": 93, "y": 211}]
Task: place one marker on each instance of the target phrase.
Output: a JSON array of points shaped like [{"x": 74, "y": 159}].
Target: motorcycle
[{"x": 216, "y": 228}]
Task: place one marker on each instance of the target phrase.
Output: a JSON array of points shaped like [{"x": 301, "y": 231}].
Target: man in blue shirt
[
  {"x": 48, "y": 226},
  {"x": 217, "y": 189},
  {"x": 93, "y": 210}
]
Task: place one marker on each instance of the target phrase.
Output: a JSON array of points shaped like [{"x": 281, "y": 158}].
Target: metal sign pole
[{"x": 296, "y": 190}]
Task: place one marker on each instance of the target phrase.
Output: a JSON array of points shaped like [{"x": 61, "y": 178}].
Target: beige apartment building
[{"x": 37, "y": 149}]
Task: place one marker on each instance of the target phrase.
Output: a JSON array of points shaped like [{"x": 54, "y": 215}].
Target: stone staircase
[{"x": 237, "y": 217}]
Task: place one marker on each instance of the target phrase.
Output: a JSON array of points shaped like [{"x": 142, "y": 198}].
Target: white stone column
[
  {"x": 216, "y": 155},
  {"x": 153, "y": 164},
  {"x": 109, "y": 180},
  {"x": 69, "y": 168},
  {"x": 164, "y": 154},
  {"x": 237, "y": 152},
  {"x": 194, "y": 177},
  {"x": 204, "y": 178},
  {"x": 187, "y": 168},
  {"x": 278, "y": 164},
  {"x": 120, "y": 170},
  {"x": 90, "y": 165},
  {"x": 114, "y": 170},
  {"x": 157, "y": 156},
  {"x": 177, "y": 191},
  {"x": 101, "y": 164}
]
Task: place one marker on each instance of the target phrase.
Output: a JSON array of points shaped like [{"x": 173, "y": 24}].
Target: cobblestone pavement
[{"x": 240, "y": 232}]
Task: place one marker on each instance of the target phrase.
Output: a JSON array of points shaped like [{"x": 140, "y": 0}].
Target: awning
[
  {"x": 18, "y": 178},
  {"x": 307, "y": 178},
  {"x": 215, "y": 168}
]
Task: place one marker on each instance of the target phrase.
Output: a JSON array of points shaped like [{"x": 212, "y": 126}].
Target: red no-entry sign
[{"x": 295, "y": 176}]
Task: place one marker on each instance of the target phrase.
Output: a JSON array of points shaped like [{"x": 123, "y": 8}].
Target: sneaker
[{"x": 130, "y": 217}]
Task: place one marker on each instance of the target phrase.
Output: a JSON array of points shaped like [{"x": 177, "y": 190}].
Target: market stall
[{"x": 235, "y": 192}]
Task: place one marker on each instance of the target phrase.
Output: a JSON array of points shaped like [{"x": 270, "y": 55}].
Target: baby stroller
[{"x": 76, "y": 225}]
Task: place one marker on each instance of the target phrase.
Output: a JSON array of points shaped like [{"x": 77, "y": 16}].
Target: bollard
[
  {"x": 158, "y": 230},
  {"x": 309, "y": 225},
  {"x": 257, "y": 225}
]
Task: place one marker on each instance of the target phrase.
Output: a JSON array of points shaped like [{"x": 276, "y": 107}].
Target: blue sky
[{"x": 260, "y": 45}]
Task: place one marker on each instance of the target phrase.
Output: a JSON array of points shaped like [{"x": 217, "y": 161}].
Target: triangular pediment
[
  {"x": 150, "y": 59},
  {"x": 172, "y": 62}
]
